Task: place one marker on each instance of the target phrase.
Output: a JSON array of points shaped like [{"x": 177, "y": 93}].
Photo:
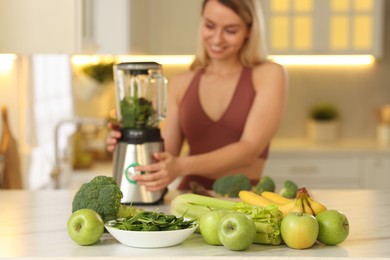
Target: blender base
[{"x": 157, "y": 202}]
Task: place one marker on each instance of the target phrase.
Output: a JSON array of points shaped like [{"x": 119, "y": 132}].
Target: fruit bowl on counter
[{"x": 150, "y": 239}]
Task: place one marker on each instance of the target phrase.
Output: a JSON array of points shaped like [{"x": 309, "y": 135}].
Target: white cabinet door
[
  {"x": 39, "y": 26},
  {"x": 106, "y": 26},
  {"x": 173, "y": 26},
  {"x": 320, "y": 172},
  {"x": 377, "y": 172}
]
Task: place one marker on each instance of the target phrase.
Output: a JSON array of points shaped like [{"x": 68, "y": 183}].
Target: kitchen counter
[
  {"x": 340, "y": 146},
  {"x": 33, "y": 225}
]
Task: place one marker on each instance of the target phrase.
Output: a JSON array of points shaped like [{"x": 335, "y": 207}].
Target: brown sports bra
[{"x": 202, "y": 133}]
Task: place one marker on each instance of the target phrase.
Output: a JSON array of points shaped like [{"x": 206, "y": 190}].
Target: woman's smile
[{"x": 223, "y": 31}]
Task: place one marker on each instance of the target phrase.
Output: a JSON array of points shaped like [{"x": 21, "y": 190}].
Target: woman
[{"x": 227, "y": 107}]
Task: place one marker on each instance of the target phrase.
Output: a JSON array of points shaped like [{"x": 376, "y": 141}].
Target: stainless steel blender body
[
  {"x": 126, "y": 157},
  {"x": 141, "y": 104}
]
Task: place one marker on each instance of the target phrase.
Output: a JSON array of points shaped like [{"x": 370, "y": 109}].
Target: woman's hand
[
  {"x": 159, "y": 175},
  {"x": 112, "y": 137}
]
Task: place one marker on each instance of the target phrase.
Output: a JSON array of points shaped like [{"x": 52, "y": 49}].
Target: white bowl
[{"x": 150, "y": 239}]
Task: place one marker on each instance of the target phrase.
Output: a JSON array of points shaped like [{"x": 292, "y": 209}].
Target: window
[{"x": 51, "y": 103}]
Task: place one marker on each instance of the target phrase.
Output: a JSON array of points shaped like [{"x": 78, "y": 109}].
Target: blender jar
[{"x": 141, "y": 94}]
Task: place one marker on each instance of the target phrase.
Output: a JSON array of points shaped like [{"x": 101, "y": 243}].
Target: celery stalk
[
  {"x": 267, "y": 239},
  {"x": 264, "y": 227},
  {"x": 192, "y": 206},
  {"x": 267, "y": 220}
]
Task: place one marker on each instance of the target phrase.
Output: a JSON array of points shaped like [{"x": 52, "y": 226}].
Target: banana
[
  {"x": 286, "y": 208},
  {"x": 276, "y": 198},
  {"x": 253, "y": 198},
  {"x": 316, "y": 206},
  {"x": 306, "y": 207},
  {"x": 302, "y": 204},
  {"x": 299, "y": 206}
]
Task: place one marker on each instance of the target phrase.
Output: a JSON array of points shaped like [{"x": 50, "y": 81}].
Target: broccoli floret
[
  {"x": 289, "y": 189},
  {"x": 101, "y": 194},
  {"x": 230, "y": 185},
  {"x": 266, "y": 183}
]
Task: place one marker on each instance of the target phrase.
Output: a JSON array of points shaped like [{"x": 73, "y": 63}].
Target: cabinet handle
[
  {"x": 87, "y": 20},
  {"x": 304, "y": 170}
]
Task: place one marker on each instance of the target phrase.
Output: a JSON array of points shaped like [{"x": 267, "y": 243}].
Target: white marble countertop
[{"x": 33, "y": 225}]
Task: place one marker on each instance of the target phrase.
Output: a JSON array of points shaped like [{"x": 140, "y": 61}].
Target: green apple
[
  {"x": 85, "y": 227},
  {"x": 299, "y": 230},
  {"x": 333, "y": 227},
  {"x": 208, "y": 226},
  {"x": 236, "y": 231}
]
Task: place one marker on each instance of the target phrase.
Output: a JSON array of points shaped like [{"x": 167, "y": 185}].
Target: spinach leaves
[{"x": 151, "y": 221}]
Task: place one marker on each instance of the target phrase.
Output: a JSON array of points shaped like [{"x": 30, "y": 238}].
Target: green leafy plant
[
  {"x": 151, "y": 221},
  {"x": 136, "y": 112},
  {"x": 101, "y": 72},
  {"x": 324, "y": 112}
]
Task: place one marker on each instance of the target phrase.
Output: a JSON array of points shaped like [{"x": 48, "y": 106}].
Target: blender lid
[{"x": 136, "y": 68}]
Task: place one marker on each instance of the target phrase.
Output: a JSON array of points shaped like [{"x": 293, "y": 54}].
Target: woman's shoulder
[
  {"x": 182, "y": 77},
  {"x": 179, "y": 83},
  {"x": 269, "y": 67},
  {"x": 269, "y": 73},
  {"x": 182, "y": 80}
]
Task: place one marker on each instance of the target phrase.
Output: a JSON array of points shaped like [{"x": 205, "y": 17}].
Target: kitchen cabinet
[
  {"x": 315, "y": 171},
  {"x": 39, "y": 26},
  {"x": 339, "y": 165},
  {"x": 376, "y": 172},
  {"x": 99, "y": 26},
  {"x": 151, "y": 27},
  {"x": 56, "y": 26},
  {"x": 173, "y": 26},
  {"x": 324, "y": 27}
]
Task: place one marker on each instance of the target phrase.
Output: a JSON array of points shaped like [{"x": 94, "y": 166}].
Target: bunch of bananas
[{"x": 302, "y": 203}]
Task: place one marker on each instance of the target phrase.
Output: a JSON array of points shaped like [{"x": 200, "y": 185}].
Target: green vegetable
[
  {"x": 266, "y": 183},
  {"x": 103, "y": 195},
  {"x": 231, "y": 185},
  {"x": 267, "y": 239},
  {"x": 136, "y": 112},
  {"x": 289, "y": 189},
  {"x": 192, "y": 206},
  {"x": 267, "y": 220},
  {"x": 152, "y": 221},
  {"x": 324, "y": 111},
  {"x": 102, "y": 72}
]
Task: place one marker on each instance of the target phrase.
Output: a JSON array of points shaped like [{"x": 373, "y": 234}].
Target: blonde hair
[{"x": 253, "y": 52}]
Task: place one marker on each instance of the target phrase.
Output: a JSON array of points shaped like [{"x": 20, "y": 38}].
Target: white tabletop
[{"x": 33, "y": 224}]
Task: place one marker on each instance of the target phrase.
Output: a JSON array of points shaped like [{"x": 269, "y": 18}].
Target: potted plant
[
  {"x": 323, "y": 122},
  {"x": 101, "y": 72}
]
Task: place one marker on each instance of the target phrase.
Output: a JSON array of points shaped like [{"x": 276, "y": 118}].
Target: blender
[{"x": 141, "y": 92}]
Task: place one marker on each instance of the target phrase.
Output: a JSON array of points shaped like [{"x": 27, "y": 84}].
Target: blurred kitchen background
[{"x": 56, "y": 83}]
